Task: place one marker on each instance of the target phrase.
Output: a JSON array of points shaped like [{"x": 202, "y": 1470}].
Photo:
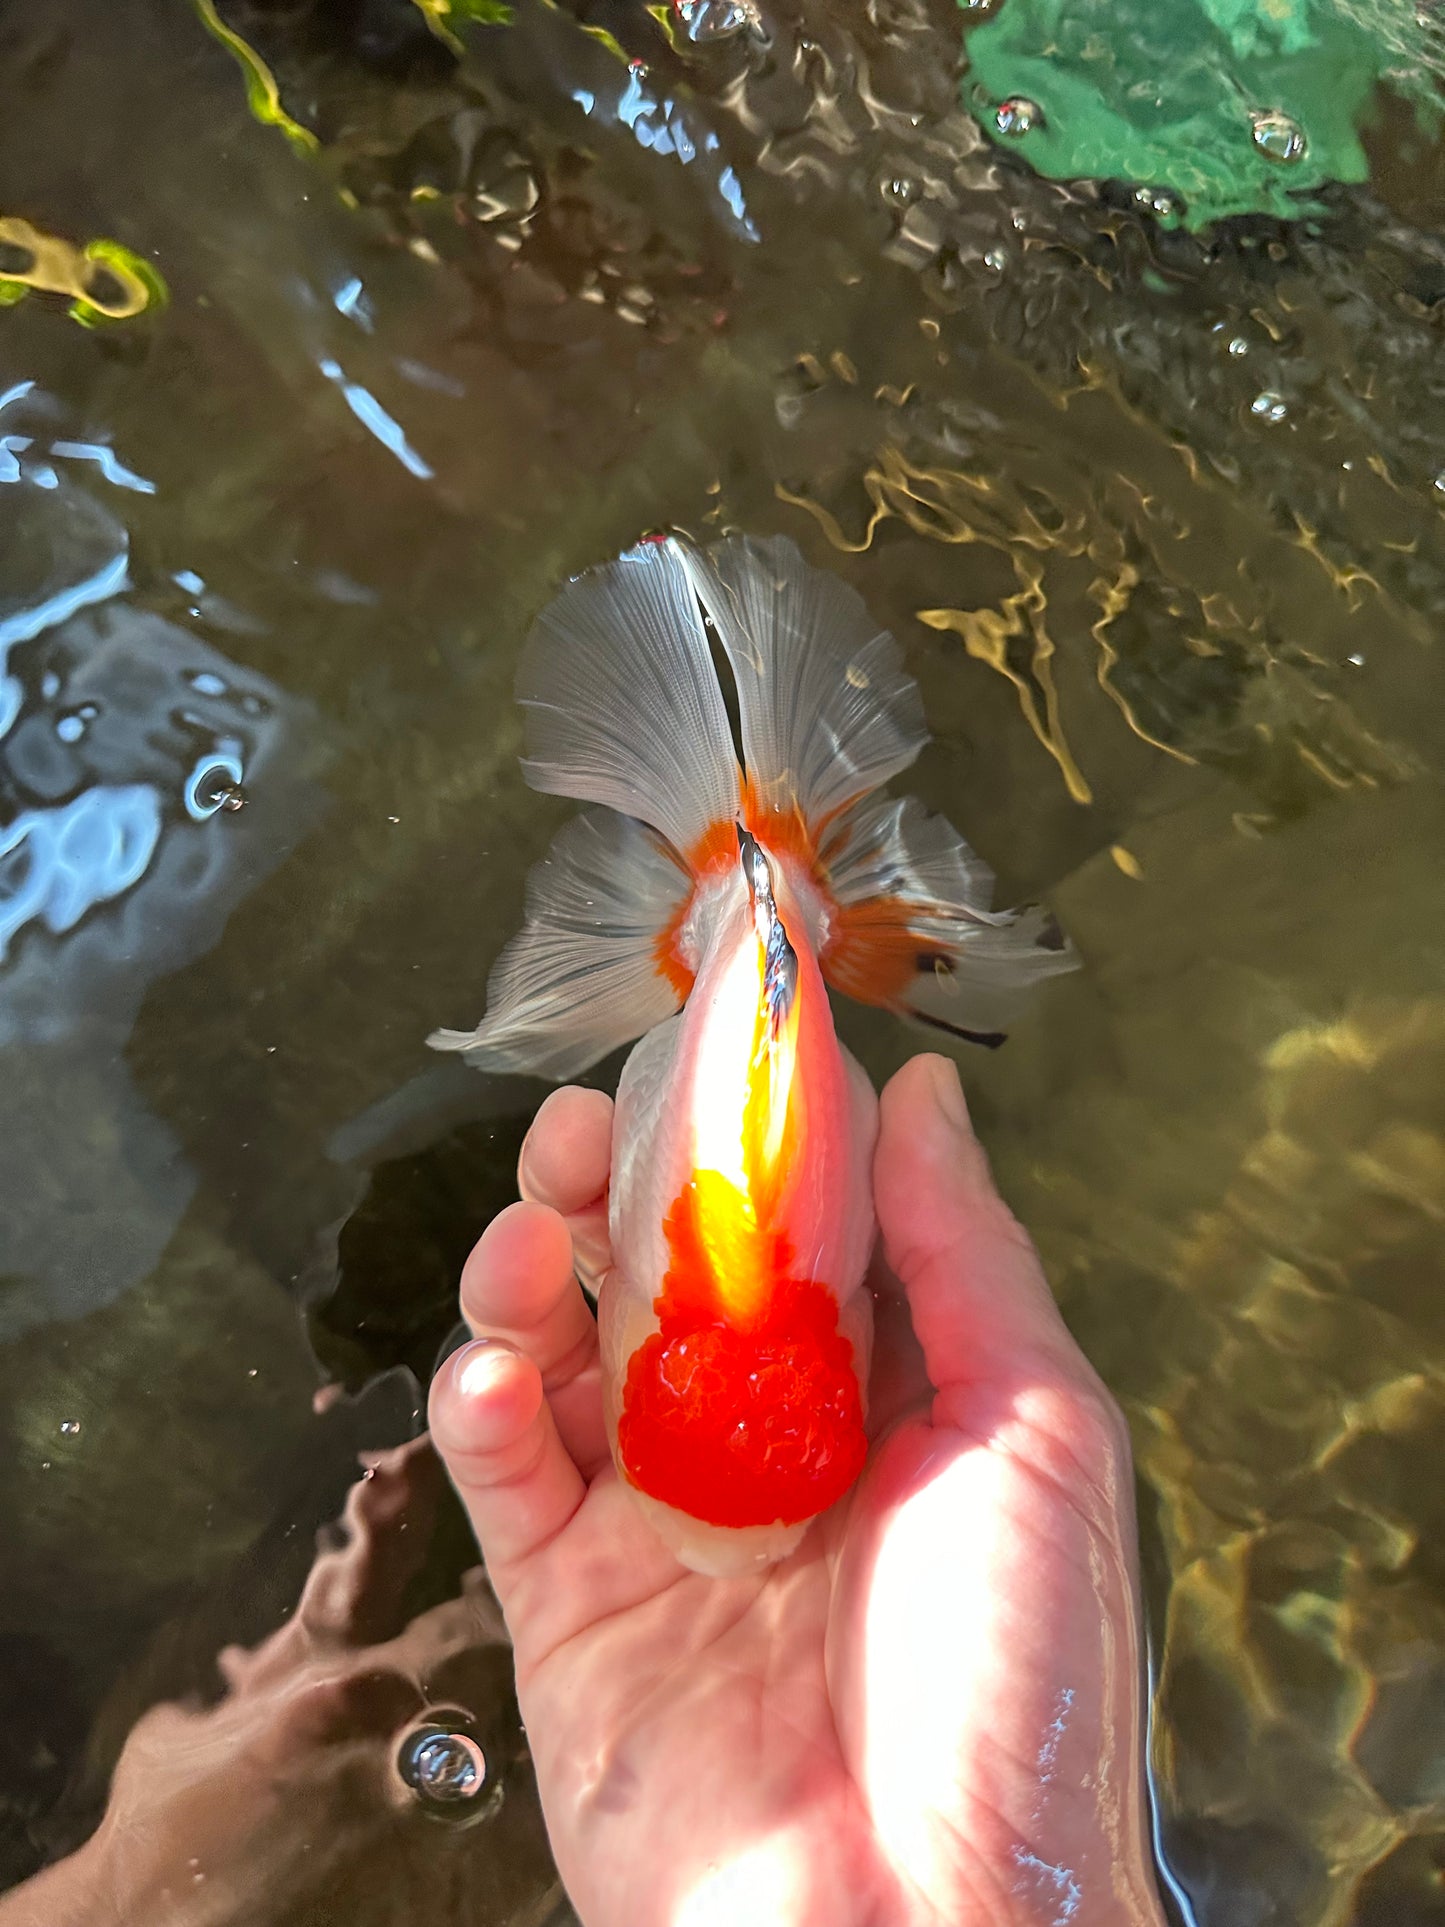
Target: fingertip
[
  {"x": 497, "y": 1439},
  {"x": 483, "y": 1399},
  {"x": 567, "y": 1154},
  {"x": 487, "y": 1371},
  {"x": 948, "y": 1091},
  {"x": 927, "y": 1088},
  {"x": 923, "y": 1121},
  {"x": 518, "y": 1266}
]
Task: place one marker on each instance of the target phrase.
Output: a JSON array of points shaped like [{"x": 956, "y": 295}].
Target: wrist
[{"x": 79, "y": 1891}]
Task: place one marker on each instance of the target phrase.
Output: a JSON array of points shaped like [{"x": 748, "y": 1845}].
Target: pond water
[{"x": 455, "y": 309}]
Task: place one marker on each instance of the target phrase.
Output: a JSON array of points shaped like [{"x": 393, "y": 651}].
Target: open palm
[{"x": 931, "y": 1712}]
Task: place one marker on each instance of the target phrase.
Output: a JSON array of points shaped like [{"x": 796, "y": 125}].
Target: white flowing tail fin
[
  {"x": 828, "y": 711},
  {"x": 581, "y": 977},
  {"x": 622, "y": 700},
  {"x": 912, "y": 929},
  {"x": 624, "y": 709}
]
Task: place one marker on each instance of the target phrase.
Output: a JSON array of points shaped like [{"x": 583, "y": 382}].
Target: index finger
[
  {"x": 565, "y": 1162},
  {"x": 567, "y": 1152}
]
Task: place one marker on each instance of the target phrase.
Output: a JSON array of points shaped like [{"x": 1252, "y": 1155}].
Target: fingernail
[
  {"x": 524, "y": 1166},
  {"x": 476, "y": 1367},
  {"x": 948, "y": 1093},
  {"x": 526, "y": 1182}
]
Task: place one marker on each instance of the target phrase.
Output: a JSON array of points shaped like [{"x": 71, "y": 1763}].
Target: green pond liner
[{"x": 1208, "y": 108}]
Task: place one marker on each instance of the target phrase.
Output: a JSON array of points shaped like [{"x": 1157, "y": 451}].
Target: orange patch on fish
[
  {"x": 873, "y": 954},
  {"x": 743, "y": 1408}
]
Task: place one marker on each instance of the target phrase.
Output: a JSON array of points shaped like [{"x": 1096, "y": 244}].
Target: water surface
[{"x": 1157, "y": 520}]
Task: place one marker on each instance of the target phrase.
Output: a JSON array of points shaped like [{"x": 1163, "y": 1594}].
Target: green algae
[
  {"x": 1212, "y": 107},
  {"x": 263, "y": 93},
  {"x": 142, "y": 288},
  {"x": 107, "y": 282},
  {"x": 443, "y": 16},
  {"x": 263, "y": 96}
]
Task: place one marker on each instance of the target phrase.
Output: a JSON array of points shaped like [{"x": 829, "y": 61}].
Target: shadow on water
[{"x": 432, "y": 314}]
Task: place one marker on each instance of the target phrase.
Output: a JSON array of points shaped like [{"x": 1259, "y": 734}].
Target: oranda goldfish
[{"x": 706, "y": 908}]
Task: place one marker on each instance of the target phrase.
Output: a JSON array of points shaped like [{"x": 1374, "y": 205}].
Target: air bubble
[
  {"x": 1017, "y": 116},
  {"x": 1166, "y": 206},
  {"x": 1269, "y": 407},
  {"x": 704, "y": 21},
  {"x": 1238, "y": 346},
  {"x": 214, "y": 784},
  {"x": 900, "y": 191},
  {"x": 1278, "y": 137},
  {"x": 70, "y": 1428},
  {"x": 996, "y": 259},
  {"x": 443, "y": 1765}
]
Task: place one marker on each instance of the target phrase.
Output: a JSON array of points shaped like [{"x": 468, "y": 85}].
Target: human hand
[
  {"x": 282, "y": 1801},
  {"x": 930, "y": 1713}
]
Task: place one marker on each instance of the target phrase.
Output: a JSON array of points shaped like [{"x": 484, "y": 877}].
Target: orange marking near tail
[
  {"x": 713, "y": 854},
  {"x": 667, "y": 955},
  {"x": 873, "y": 955},
  {"x": 870, "y": 955},
  {"x": 784, "y": 833},
  {"x": 715, "y": 850}
]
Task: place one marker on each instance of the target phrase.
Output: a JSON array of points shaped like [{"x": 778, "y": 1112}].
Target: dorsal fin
[
  {"x": 828, "y": 711},
  {"x": 622, "y": 701}
]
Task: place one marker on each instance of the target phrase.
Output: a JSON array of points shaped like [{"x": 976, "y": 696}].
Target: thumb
[{"x": 976, "y": 1290}]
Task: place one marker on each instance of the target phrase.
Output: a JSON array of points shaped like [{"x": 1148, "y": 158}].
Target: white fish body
[{"x": 735, "y": 1332}]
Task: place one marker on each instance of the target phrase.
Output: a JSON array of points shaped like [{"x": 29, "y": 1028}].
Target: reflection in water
[
  {"x": 370, "y": 413},
  {"x": 56, "y": 864},
  {"x": 366, "y": 1748},
  {"x": 1313, "y": 1559},
  {"x": 106, "y": 281},
  {"x": 121, "y": 738},
  {"x": 1155, "y": 515}
]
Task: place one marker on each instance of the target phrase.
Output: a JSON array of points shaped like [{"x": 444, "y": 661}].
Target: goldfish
[{"x": 705, "y": 907}]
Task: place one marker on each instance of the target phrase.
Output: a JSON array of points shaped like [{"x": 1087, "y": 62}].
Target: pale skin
[{"x": 928, "y": 1716}]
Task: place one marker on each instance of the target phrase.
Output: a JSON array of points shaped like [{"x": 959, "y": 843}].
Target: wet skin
[{"x": 932, "y": 1712}]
